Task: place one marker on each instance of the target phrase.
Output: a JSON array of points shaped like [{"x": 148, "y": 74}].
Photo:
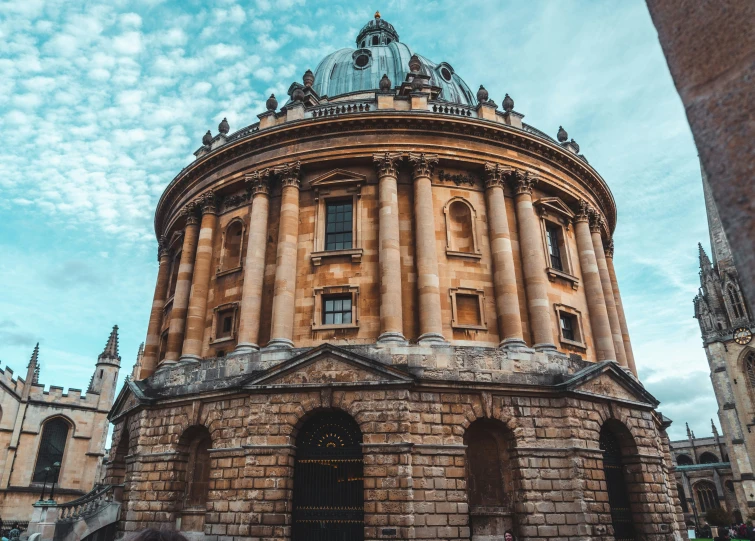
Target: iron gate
[
  {"x": 618, "y": 495},
  {"x": 328, "y": 480}
]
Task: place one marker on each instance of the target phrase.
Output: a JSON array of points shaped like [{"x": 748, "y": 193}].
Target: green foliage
[{"x": 718, "y": 516}]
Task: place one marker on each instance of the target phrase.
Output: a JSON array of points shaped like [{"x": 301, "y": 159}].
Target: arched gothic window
[
  {"x": 230, "y": 257},
  {"x": 51, "y": 449},
  {"x": 706, "y": 495},
  {"x": 735, "y": 300},
  {"x": 749, "y": 368},
  {"x": 708, "y": 458},
  {"x": 684, "y": 460}
]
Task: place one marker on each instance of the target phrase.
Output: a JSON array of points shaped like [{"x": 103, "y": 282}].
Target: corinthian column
[
  {"x": 254, "y": 265},
  {"x": 504, "y": 279},
  {"x": 605, "y": 279},
  {"x": 428, "y": 280},
  {"x": 285, "y": 262},
  {"x": 389, "y": 245},
  {"x": 620, "y": 309},
  {"x": 197, "y": 312},
  {"x": 152, "y": 343},
  {"x": 183, "y": 285},
  {"x": 596, "y": 303},
  {"x": 533, "y": 263}
]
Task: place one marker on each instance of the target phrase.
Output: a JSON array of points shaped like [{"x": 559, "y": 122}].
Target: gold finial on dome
[{"x": 377, "y": 14}]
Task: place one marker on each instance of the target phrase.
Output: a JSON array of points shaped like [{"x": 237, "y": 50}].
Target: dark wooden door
[{"x": 618, "y": 495}]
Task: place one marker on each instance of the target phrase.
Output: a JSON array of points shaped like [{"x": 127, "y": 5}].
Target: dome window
[
  {"x": 363, "y": 44},
  {"x": 362, "y": 58},
  {"x": 445, "y": 73},
  {"x": 375, "y": 40}
]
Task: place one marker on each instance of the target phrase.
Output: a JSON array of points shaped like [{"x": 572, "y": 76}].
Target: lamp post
[
  {"x": 44, "y": 485},
  {"x": 56, "y": 469}
]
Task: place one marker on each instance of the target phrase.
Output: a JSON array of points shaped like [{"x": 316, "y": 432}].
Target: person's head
[
  {"x": 157, "y": 535},
  {"x": 508, "y": 535}
]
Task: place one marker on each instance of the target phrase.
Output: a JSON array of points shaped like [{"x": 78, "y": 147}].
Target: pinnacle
[
  {"x": 34, "y": 356},
  {"x": 111, "y": 348}
]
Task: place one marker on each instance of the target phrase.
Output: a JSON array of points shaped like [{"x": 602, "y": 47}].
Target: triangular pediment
[
  {"x": 338, "y": 177},
  {"x": 608, "y": 379},
  {"x": 330, "y": 366},
  {"x": 554, "y": 205},
  {"x": 128, "y": 398}
]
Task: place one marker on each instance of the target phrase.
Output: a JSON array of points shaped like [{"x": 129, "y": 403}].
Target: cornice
[{"x": 295, "y": 133}]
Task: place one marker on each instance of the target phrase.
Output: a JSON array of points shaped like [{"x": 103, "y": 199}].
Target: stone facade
[
  {"x": 414, "y": 295},
  {"x": 27, "y": 410},
  {"x": 704, "y": 478},
  {"x": 726, "y": 325}
]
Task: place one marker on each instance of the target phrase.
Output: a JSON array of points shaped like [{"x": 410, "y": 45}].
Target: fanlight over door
[{"x": 328, "y": 480}]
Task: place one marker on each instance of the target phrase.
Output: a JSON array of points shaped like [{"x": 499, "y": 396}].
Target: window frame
[
  {"x": 330, "y": 204},
  {"x": 331, "y": 187},
  {"x": 579, "y": 341},
  {"x": 555, "y": 213},
  {"x": 451, "y": 250},
  {"x": 222, "y": 271},
  {"x": 480, "y": 294},
  {"x": 69, "y": 435},
  {"x": 218, "y": 311},
  {"x": 318, "y": 313}
]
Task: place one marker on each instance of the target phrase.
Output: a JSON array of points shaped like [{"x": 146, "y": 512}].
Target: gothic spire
[
  {"x": 689, "y": 432},
  {"x": 705, "y": 264},
  {"x": 719, "y": 244},
  {"x": 33, "y": 367},
  {"x": 111, "y": 348},
  {"x": 713, "y": 426}
]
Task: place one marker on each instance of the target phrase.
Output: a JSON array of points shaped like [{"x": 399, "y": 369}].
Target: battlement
[
  {"x": 58, "y": 395},
  {"x": 7, "y": 379}
]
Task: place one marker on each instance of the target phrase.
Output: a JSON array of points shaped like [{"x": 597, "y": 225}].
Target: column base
[
  {"x": 546, "y": 347},
  {"x": 512, "y": 343},
  {"x": 189, "y": 359},
  {"x": 246, "y": 347},
  {"x": 432, "y": 339},
  {"x": 164, "y": 365},
  {"x": 391, "y": 338},
  {"x": 280, "y": 343}
]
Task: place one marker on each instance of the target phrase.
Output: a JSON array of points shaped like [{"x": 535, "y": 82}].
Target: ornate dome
[{"x": 380, "y": 52}]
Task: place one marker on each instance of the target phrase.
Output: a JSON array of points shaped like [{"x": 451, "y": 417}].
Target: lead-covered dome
[{"x": 380, "y": 52}]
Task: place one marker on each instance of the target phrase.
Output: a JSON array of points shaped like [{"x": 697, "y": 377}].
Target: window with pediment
[{"x": 555, "y": 220}]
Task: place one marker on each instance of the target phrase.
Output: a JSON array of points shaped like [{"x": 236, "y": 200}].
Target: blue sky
[{"x": 104, "y": 102}]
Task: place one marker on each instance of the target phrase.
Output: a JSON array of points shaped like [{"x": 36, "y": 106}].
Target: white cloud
[{"x": 128, "y": 43}]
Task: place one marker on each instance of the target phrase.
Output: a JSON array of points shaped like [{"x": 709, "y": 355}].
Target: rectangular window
[
  {"x": 163, "y": 345},
  {"x": 568, "y": 324},
  {"x": 553, "y": 236},
  {"x": 336, "y": 310},
  {"x": 338, "y": 225},
  {"x": 225, "y": 324},
  {"x": 468, "y": 310}
]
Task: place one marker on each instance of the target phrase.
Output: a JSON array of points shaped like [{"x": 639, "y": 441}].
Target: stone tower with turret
[{"x": 727, "y": 328}]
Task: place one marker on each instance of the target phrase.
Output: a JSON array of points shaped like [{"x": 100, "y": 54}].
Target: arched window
[
  {"x": 616, "y": 483},
  {"x": 328, "y": 479},
  {"x": 708, "y": 458},
  {"x": 230, "y": 257},
  {"x": 749, "y": 368},
  {"x": 175, "y": 264},
  {"x": 682, "y": 497},
  {"x": 195, "y": 444},
  {"x": 461, "y": 236},
  {"x": 735, "y": 300},
  {"x": 684, "y": 460},
  {"x": 51, "y": 449},
  {"x": 489, "y": 478},
  {"x": 706, "y": 496}
]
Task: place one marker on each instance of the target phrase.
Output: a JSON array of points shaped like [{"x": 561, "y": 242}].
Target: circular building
[{"x": 388, "y": 310}]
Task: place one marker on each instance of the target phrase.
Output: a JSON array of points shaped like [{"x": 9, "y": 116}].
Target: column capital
[
  {"x": 386, "y": 163},
  {"x": 596, "y": 222},
  {"x": 523, "y": 181},
  {"x": 289, "y": 174},
  {"x": 609, "y": 248},
  {"x": 209, "y": 202},
  {"x": 191, "y": 212},
  {"x": 258, "y": 182},
  {"x": 422, "y": 164},
  {"x": 583, "y": 212},
  {"x": 163, "y": 248},
  {"x": 496, "y": 174}
]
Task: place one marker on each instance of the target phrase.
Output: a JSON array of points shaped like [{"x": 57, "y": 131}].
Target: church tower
[{"x": 727, "y": 325}]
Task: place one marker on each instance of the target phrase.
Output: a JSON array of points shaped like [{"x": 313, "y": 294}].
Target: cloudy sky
[{"x": 103, "y": 102}]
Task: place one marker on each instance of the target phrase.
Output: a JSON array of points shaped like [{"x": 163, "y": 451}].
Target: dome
[{"x": 379, "y": 52}]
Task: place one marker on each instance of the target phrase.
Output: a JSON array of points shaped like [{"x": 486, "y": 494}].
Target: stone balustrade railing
[{"x": 90, "y": 503}]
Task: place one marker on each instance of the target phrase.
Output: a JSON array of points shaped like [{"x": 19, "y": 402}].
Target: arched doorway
[
  {"x": 489, "y": 479},
  {"x": 618, "y": 495},
  {"x": 328, "y": 480},
  {"x": 194, "y": 446}
]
